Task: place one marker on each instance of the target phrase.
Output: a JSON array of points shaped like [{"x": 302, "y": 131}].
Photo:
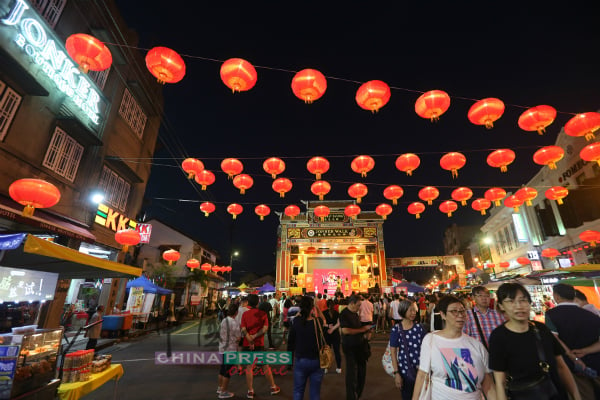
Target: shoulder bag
[
  {"x": 541, "y": 388},
  {"x": 386, "y": 361},
  {"x": 325, "y": 352},
  {"x": 425, "y": 393},
  {"x": 481, "y": 335},
  {"x": 411, "y": 370}
]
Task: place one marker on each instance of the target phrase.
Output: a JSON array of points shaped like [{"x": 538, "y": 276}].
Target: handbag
[
  {"x": 541, "y": 388},
  {"x": 411, "y": 371},
  {"x": 386, "y": 361},
  {"x": 426, "y": 393},
  {"x": 325, "y": 351}
]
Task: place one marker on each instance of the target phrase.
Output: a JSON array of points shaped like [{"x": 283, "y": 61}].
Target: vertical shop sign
[
  {"x": 8, "y": 366},
  {"x": 310, "y": 282}
]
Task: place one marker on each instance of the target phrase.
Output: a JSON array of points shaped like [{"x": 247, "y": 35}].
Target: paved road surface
[{"x": 145, "y": 380}]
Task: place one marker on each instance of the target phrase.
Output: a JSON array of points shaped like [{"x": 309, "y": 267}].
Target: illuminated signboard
[
  {"x": 113, "y": 220},
  {"x": 26, "y": 285},
  {"x": 50, "y": 58},
  {"x": 145, "y": 231}
]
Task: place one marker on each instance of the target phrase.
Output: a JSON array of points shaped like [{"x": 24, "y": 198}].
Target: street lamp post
[{"x": 231, "y": 256}]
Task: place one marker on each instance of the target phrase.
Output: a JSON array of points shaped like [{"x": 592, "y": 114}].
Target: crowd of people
[{"x": 443, "y": 346}]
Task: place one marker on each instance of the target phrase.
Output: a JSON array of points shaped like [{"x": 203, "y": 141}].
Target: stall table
[{"x": 76, "y": 390}]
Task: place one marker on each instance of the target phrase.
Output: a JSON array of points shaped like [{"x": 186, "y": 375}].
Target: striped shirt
[{"x": 488, "y": 322}]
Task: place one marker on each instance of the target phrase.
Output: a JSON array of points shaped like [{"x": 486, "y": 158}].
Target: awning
[
  {"x": 42, "y": 221},
  {"x": 42, "y": 255}
]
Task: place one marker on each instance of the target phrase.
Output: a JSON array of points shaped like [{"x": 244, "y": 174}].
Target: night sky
[{"x": 525, "y": 57}]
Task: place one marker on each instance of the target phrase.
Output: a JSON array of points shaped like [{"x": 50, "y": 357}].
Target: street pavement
[{"x": 143, "y": 379}]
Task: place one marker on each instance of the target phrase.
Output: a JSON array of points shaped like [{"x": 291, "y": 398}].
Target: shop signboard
[
  {"x": 136, "y": 299},
  {"x": 8, "y": 366},
  {"x": 145, "y": 231},
  {"x": 112, "y": 219},
  {"x": 195, "y": 300},
  {"x": 536, "y": 265},
  {"x": 26, "y": 285}
]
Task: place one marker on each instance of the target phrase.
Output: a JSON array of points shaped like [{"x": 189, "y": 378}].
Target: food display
[
  {"x": 36, "y": 365},
  {"x": 78, "y": 365}
]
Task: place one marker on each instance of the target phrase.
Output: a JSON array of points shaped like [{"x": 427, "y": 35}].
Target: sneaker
[
  {"x": 324, "y": 370},
  {"x": 275, "y": 389},
  {"x": 219, "y": 390},
  {"x": 250, "y": 394},
  {"x": 338, "y": 370},
  {"x": 226, "y": 395}
]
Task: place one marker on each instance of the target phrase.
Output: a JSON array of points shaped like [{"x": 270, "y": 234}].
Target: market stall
[{"x": 141, "y": 301}]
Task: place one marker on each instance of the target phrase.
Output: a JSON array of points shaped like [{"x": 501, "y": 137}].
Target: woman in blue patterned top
[{"x": 405, "y": 344}]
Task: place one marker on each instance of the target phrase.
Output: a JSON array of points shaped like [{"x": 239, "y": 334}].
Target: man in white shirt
[
  {"x": 582, "y": 301},
  {"x": 241, "y": 310},
  {"x": 394, "y": 309}
]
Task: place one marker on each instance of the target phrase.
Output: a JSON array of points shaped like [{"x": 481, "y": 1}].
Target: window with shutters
[
  {"x": 132, "y": 113},
  {"x": 115, "y": 189},
  {"x": 63, "y": 155},
  {"x": 9, "y": 103},
  {"x": 99, "y": 77},
  {"x": 50, "y": 10}
]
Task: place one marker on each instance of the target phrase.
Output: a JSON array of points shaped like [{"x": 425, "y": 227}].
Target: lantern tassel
[
  {"x": 125, "y": 248},
  {"x": 320, "y": 197},
  {"x": 203, "y": 187},
  {"x": 28, "y": 210},
  {"x": 281, "y": 194},
  {"x": 262, "y": 218},
  {"x": 503, "y": 168},
  {"x": 541, "y": 130},
  {"x": 552, "y": 165},
  {"x": 385, "y": 217},
  {"x": 489, "y": 124},
  {"x": 497, "y": 203},
  {"x": 205, "y": 214},
  {"x": 234, "y": 216},
  {"x": 191, "y": 175},
  {"x": 395, "y": 202},
  {"x": 242, "y": 191},
  {"x": 559, "y": 201},
  {"x": 358, "y": 200},
  {"x": 516, "y": 209},
  {"x": 482, "y": 212},
  {"x": 454, "y": 173},
  {"x": 463, "y": 203},
  {"x": 273, "y": 176},
  {"x": 418, "y": 216}
]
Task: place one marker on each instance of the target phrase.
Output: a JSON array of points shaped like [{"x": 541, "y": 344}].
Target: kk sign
[
  {"x": 112, "y": 219},
  {"x": 145, "y": 231}
]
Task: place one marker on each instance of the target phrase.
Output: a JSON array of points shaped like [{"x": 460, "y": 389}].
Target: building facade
[{"x": 81, "y": 132}]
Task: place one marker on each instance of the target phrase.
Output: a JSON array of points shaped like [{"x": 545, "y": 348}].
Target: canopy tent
[
  {"x": 242, "y": 287},
  {"x": 494, "y": 285},
  {"x": 42, "y": 255},
  {"x": 411, "y": 287},
  {"x": 267, "y": 287},
  {"x": 147, "y": 285}
]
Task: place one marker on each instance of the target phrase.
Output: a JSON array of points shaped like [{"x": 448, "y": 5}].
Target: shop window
[
  {"x": 9, "y": 103},
  {"x": 546, "y": 219},
  {"x": 99, "y": 77},
  {"x": 63, "y": 155},
  {"x": 509, "y": 239},
  {"x": 116, "y": 189},
  {"x": 133, "y": 114},
  {"x": 50, "y": 10}
]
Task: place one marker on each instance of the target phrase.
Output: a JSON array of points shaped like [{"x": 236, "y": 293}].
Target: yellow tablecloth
[{"x": 74, "y": 391}]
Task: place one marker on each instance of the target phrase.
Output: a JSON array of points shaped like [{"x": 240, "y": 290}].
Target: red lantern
[
  {"x": 292, "y": 211},
  {"x": 243, "y": 182},
  {"x": 274, "y": 166},
  {"x": 262, "y": 211},
  {"x": 207, "y": 207},
  {"x": 33, "y": 193},
  {"x": 309, "y": 85},
  {"x": 416, "y": 209},
  {"x": 192, "y": 263},
  {"x": 393, "y": 192},
  {"x": 592, "y": 237},
  {"x": 408, "y": 162},
  {"x": 232, "y": 166},
  {"x": 192, "y": 167},
  {"x": 320, "y": 188},
  {"x": 238, "y": 75},
  {"x": 373, "y": 95},
  {"x": 550, "y": 253},
  {"x": 537, "y": 119},
  {"x": 504, "y": 264},
  {"x": 362, "y": 164},
  {"x": 127, "y": 237},
  {"x": 310, "y": 250},
  {"x": 317, "y": 166},
  {"x": 352, "y": 211},
  {"x": 448, "y": 207},
  {"x": 481, "y": 205},
  {"x": 358, "y": 191},
  {"x": 383, "y": 210},
  {"x": 321, "y": 212},
  {"x": 591, "y": 153},
  {"x": 549, "y": 156},
  {"x": 88, "y": 52},
  {"x": 584, "y": 124},
  {"x": 557, "y": 193},
  {"x": 428, "y": 194},
  {"x": 453, "y": 161},
  {"x": 514, "y": 202},
  {"x": 282, "y": 186},
  {"x": 217, "y": 269},
  {"x": 171, "y": 256},
  {"x": 351, "y": 250},
  {"x": 495, "y": 194},
  {"x": 462, "y": 194},
  {"x": 526, "y": 194},
  {"x": 227, "y": 269},
  {"x": 165, "y": 64},
  {"x": 501, "y": 158},
  {"x": 432, "y": 104},
  {"x": 235, "y": 209},
  {"x": 206, "y": 267},
  {"x": 486, "y": 112},
  {"x": 205, "y": 178},
  {"x": 523, "y": 260}
]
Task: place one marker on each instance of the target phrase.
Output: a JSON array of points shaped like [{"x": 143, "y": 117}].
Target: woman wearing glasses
[{"x": 453, "y": 363}]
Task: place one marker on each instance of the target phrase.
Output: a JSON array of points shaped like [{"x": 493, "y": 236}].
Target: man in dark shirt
[
  {"x": 579, "y": 333},
  {"x": 267, "y": 308},
  {"x": 355, "y": 346}
]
